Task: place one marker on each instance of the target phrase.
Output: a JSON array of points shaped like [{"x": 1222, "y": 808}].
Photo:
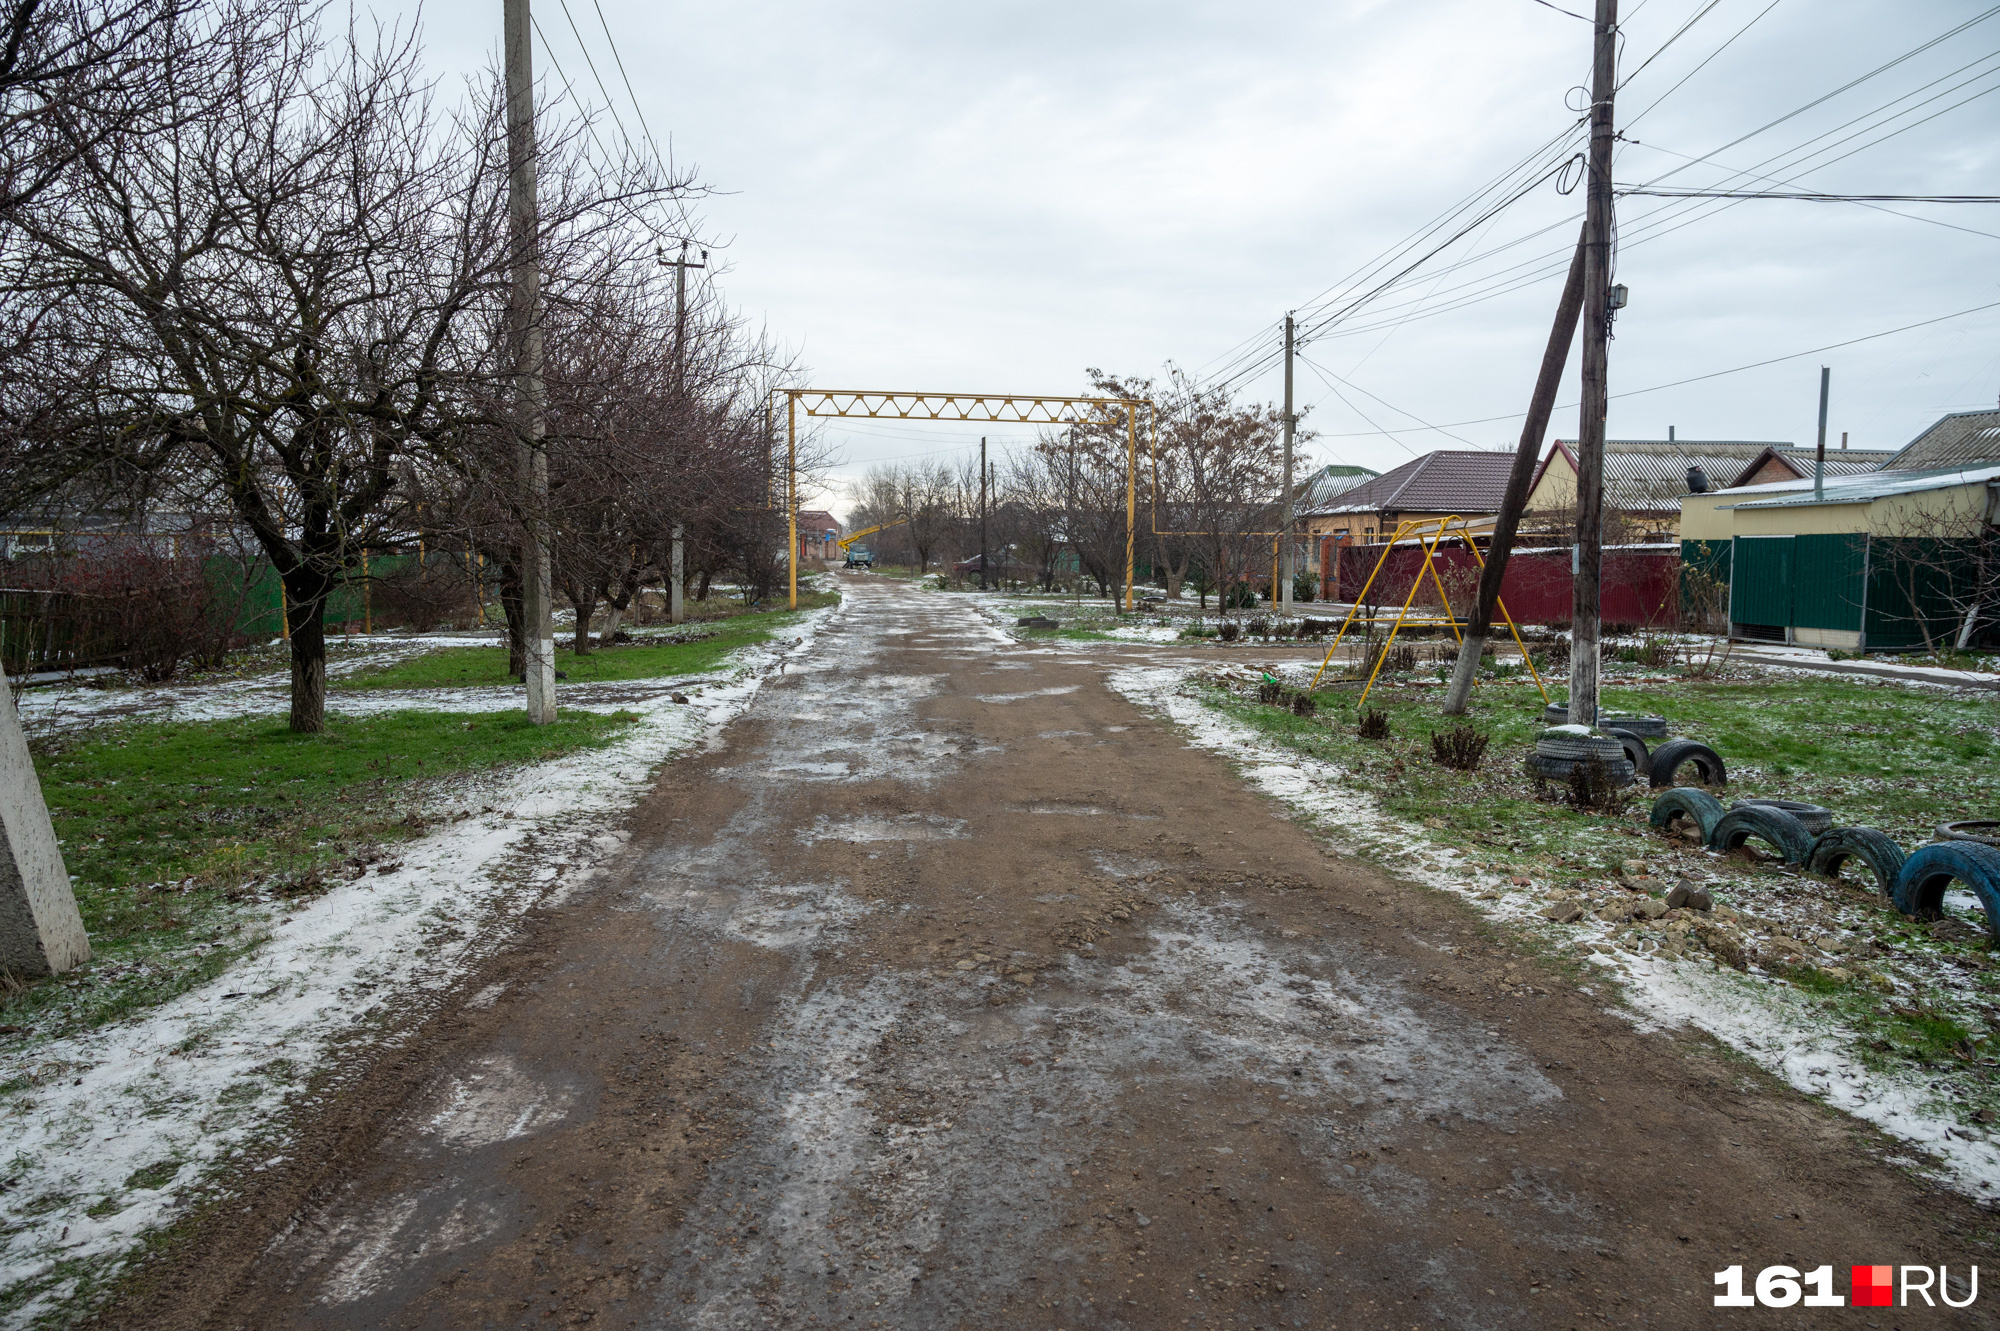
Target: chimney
[{"x": 1670, "y": 434}]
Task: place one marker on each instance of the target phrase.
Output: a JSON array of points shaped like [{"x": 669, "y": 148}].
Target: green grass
[
  {"x": 1881, "y": 755},
  {"x": 702, "y": 647},
  {"x": 175, "y": 832}
]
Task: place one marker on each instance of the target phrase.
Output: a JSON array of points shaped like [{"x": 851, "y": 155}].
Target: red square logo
[{"x": 1873, "y": 1286}]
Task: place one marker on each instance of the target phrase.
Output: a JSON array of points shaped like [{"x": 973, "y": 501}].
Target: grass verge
[
  {"x": 182, "y": 836},
  {"x": 687, "y": 650},
  {"x": 1874, "y": 753}
]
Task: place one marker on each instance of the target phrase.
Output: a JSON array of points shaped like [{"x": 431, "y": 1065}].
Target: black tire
[
  {"x": 1883, "y": 857},
  {"x": 1646, "y": 727},
  {"x": 1577, "y": 747},
  {"x": 1558, "y": 769},
  {"x": 1705, "y": 809},
  {"x": 1814, "y": 818},
  {"x": 1984, "y": 831},
  {"x": 1930, "y": 869},
  {"x": 1782, "y": 832},
  {"x": 1669, "y": 758},
  {"x": 1635, "y": 751}
]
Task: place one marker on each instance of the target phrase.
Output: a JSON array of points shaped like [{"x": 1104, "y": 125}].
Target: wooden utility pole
[
  {"x": 1555, "y": 357},
  {"x": 1585, "y": 625},
  {"x": 982, "y": 512},
  {"x": 524, "y": 310},
  {"x": 1283, "y": 604}
]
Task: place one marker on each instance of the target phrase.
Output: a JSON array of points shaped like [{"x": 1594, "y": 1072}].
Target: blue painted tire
[
  {"x": 1930, "y": 869},
  {"x": 1784, "y": 833},
  {"x": 1700, "y": 806},
  {"x": 1832, "y": 849}
]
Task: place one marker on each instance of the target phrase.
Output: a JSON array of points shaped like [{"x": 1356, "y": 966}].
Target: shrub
[
  {"x": 1270, "y": 693},
  {"x": 1305, "y": 587},
  {"x": 1374, "y": 725},
  {"x": 1589, "y": 786},
  {"x": 1459, "y": 748},
  {"x": 1399, "y": 659},
  {"x": 1304, "y": 704},
  {"x": 1230, "y": 631},
  {"x": 1260, "y": 627}
]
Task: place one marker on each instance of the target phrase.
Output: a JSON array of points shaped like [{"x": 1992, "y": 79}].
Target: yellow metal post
[{"x": 792, "y": 494}]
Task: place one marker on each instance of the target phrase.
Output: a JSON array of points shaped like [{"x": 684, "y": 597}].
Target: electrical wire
[
  {"x": 1703, "y": 65},
  {"x": 1329, "y": 377},
  {"x": 1690, "y": 193},
  {"x": 1713, "y": 374},
  {"x": 659, "y": 157},
  {"x": 1679, "y": 32}
]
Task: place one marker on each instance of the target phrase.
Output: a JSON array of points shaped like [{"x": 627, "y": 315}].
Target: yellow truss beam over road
[{"x": 999, "y": 408}]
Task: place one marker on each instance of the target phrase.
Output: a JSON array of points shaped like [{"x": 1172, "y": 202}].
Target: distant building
[
  {"x": 819, "y": 535},
  {"x": 1465, "y": 482},
  {"x": 1644, "y": 479},
  {"x": 1962, "y": 439}
]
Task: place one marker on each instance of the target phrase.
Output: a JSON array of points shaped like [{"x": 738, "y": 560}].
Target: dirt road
[{"x": 954, "y": 992}]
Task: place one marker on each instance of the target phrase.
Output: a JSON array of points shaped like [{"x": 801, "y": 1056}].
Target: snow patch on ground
[
  {"x": 1765, "y": 1022},
  {"x": 118, "y": 1130}
]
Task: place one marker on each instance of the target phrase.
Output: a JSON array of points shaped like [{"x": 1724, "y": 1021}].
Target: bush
[
  {"x": 1305, "y": 587},
  {"x": 1374, "y": 725},
  {"x": 1316, "y": 628},
  {"x": 1240, "y": 597},
  {"x": 1305, "y": 704},
  {"x": 1260, "y": 627},
  {"x": 1270, "y": 693},
  {"x": 150, "y": 613},
  {"x": 1589, "y": 786},
  {"x": 1395, "y": 660},
  {"x": 1459, "y": 748},
  {"x": 1230, "y": 631}
]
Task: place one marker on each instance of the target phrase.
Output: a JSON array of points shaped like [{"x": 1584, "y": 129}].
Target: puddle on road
[
  {"x": 1054, "y": 692},
  {"x": 495, "y": 1102},
  {"x": 907, "y": 827}
]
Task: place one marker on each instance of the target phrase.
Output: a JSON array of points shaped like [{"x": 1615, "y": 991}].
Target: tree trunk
[
  {"x": 702, "y": 594},
  {"x": 585, "y": 601},
  {"x": 514, "y": 607},
  {"x": 305, "y": 616}
]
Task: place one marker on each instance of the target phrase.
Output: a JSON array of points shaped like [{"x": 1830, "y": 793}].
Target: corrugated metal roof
[
  {"x": 1447, "y": 481},
  {"x": 1867, "y": 487},
  {"x": 1964, "y": 438},
  {"x": 1328, "y": 483},
  {"x": 1651, "y": 474}
]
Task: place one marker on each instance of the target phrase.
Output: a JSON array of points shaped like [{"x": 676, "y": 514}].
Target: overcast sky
[{"x": 996, "y": 197}]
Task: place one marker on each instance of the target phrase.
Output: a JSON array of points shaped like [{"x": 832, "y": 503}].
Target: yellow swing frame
[{"x": 1436, "y": 529}]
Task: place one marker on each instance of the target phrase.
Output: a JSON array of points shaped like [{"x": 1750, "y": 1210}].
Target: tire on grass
[
  {"x": 1815, "y": 818},
  {"x": 1778, "y": 829},
  {"x": 1984, "y": 831},
  {"x": 1930, "y": 869},
  {"x": 1646, "y": 727},
  {"x": 1832, "y": 849},
  {"x": 1698, "y": 806},
  {"x": 1669, "y": 758},
  {"x": 1558, "y": 769},
  {"x": 1567, "y": 745},
  {"x": 1635, "y": 751}
]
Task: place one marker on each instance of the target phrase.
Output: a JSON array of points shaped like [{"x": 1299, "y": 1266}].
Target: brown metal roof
[
  {"x": 1447, "y": 481},
  {"x": 1964, "y": 438}
]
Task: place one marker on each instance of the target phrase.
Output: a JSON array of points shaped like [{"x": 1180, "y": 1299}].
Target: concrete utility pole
[
  {"x": 982, "y": 512},
  {"x": 1533, "y": 430},
  {"x": 677, "y": 584},
  {"x": 525, "y": 313},
  {"x": 41, "y": 932},
  {"x": 680, "y": 267},
  {"x": 1284, "y": 602},
  {"x": 1585, "y": 625},
  {"x": 1819, "y": 456}
]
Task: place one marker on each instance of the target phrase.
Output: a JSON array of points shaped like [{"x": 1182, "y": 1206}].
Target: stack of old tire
[
  {"x": 1659, "y": 764},
  {"x": 1967, "y": 852},
  {"x": 1560, "y": 750}
]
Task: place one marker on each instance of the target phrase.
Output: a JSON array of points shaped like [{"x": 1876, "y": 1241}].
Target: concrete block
[{"x": 41, "y": 932}]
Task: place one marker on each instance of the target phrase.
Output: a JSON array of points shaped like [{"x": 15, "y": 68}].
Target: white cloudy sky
[{"x": 996, "y": 197}]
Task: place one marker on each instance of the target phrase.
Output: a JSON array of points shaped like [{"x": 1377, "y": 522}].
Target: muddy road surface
[{"x": 953, "y": 991}]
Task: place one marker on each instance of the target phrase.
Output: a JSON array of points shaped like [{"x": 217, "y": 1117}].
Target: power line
[
  {"x": 1633, "y": 120},
  {"x": 1714, "y": 374},
  {"x": 1330, "y": 376},
  {"x": 1661, "y": 49},
  {"x": 659, "y": 157},
  {"x": 1809, "y": 195}
]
